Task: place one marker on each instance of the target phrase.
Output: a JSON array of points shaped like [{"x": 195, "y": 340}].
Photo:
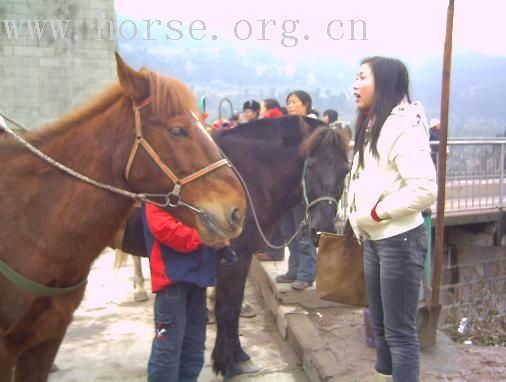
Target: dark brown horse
[
  {"x": 53, "y": 225},
  {"x": 270, "y": 155}
]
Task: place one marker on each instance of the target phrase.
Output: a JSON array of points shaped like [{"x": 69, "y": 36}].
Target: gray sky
[{"x": 412, "y": 30}]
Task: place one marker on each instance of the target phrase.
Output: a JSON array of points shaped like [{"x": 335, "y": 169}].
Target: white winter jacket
[{"x": 401, "y": 182}]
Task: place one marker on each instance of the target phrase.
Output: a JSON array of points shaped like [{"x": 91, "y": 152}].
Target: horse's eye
[{"x": 178, "y": 131}]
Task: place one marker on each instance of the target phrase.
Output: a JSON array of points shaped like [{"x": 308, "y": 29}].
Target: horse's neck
[
  {"x": 63, "y": 217},
  {"x": 285, "y": 191},
  {"x": 272, "y": 175}
]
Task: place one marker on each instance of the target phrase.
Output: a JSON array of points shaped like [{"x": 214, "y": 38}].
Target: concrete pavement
[
  {"x": 110, "y": 336},
  {"x": 329, "y": 338}
]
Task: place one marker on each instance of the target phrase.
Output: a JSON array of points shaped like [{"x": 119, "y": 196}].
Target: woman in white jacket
[{"x": 392, "y": 181}]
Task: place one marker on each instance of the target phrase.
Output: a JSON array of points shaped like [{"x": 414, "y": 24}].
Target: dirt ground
[{"x": 446, "y": 361}]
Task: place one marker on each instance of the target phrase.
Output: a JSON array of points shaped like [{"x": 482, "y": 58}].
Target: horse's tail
[
  {"x": 120, "y": 258},
  {"x": 117, "y": 243}
]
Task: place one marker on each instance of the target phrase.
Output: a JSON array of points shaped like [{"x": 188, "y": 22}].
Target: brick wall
[{"x": 43, "y": 78}]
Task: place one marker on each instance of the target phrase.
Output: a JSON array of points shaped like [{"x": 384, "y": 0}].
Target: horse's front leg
[
  {"x": 34, "y": 364},
  {"x": 140, "y": 294},
  {"x": 227, "y": 352},
  {"x": 6, "y": 363}
]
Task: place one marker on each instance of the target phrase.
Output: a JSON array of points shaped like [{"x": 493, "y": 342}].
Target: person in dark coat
[
  {"x": 251, "y": 110},
  {"x": 434, "y": 136}
]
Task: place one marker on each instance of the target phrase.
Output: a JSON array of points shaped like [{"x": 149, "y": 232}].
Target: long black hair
[{"x": 391, "y": 86}]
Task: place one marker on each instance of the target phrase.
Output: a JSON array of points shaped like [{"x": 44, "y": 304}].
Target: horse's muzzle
[{"x": 225, "y": 233}]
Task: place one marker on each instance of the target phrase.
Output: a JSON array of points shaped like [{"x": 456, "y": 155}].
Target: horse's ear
[{"x": 135, "y": 84}]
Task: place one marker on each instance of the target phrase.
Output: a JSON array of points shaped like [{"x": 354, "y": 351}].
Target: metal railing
[{"x": 475, "y": 172}]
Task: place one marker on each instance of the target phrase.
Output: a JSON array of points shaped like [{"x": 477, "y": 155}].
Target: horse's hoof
[
  {"x": 234, "y": 371},
  {"x": 248, "y": 367},
  {"x": 247, "y": 311},
  {"x": 140, "y": 296}
]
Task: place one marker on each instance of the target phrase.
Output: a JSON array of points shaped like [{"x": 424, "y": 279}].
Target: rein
[
  {"x": 306, "y": 201},
  {"x": 309, "y": 204},
  {"x": 172, "y": 199}
]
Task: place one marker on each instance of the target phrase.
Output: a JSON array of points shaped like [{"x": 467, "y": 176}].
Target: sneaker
[
  {"x": 301, "y": 285},
  {"x": 284, "y": 279},
  {"x": 247, "y": 311},
  {"x": 262, "y": 256}
]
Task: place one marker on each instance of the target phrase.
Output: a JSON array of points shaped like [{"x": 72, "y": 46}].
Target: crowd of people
[{"x": 271, "y": 108}]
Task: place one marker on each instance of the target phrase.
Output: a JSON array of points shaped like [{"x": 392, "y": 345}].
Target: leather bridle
[{"x": 173, "y": 198}]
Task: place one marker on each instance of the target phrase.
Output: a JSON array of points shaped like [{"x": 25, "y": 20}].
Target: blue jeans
[
  {"x": 302, "y": 260},
  {"x": 177, "y": 352},
  {"x": 393, "y": 273}
]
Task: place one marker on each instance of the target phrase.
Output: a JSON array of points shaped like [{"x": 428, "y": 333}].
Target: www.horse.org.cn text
[{"x": 288, "y": 32}]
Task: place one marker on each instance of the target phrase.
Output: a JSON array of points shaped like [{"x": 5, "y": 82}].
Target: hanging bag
[{"x": 340, "y": 269}]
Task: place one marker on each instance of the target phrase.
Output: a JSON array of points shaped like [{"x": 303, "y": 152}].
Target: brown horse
[{"x": 53, "y": 226}]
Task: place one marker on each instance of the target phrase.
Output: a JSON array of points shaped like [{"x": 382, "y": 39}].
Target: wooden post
[{"x": 443, "y": 138}]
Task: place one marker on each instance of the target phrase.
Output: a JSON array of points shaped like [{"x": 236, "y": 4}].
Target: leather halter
[
  {"x": 310, "y": 204},
  {"x": 173, "y": 198}
]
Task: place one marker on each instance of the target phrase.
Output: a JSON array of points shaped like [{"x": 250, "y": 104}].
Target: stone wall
[
  {"x": 43, "y": 76},
  {"x": 474, "y": 270}
]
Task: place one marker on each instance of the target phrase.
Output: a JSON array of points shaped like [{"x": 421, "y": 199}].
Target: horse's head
[
  {"x": 325, "y": 169},
  {"x": 168, "y": 146}
]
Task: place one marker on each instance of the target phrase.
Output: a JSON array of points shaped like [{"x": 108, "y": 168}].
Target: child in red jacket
[{"x": 181, "y": 270}]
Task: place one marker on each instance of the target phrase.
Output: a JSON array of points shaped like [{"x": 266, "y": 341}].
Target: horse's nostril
[{"x": 235, "y": 217}]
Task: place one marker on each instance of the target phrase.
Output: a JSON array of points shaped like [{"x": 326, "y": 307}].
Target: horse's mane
[
  {"x": 324, "y": 137},
  {"x": 264, "y": 129},
  {"x": 170, "y": 96},
  {"x": 269, "y": 129}
]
